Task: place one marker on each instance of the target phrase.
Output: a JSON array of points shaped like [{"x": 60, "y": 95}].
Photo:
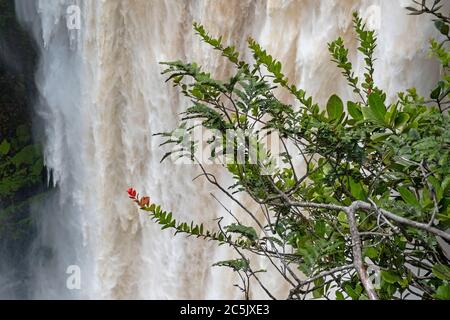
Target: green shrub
[{"x": 376, "y": 188}]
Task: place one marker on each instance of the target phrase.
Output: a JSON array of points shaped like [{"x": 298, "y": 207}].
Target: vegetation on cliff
[{"x": 21, "y": 164}]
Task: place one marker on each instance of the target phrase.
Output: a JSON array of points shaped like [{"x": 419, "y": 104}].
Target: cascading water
[{"x": 102, "y": 98}]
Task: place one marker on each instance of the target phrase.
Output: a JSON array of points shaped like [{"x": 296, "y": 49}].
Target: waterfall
[{"x": 102, "y": 97}]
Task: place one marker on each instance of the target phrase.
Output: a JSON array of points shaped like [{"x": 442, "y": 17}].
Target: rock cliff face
[{"x": 17, "y": 61}]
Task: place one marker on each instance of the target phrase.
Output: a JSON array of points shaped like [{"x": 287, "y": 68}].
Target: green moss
[{"x": 21, "y": 163}]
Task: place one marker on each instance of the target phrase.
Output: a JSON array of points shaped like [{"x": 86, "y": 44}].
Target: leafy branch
[{"x": 373, "y": 189}]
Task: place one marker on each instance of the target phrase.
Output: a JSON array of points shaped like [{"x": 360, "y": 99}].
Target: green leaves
[
  {"x": 229, "y": 52},
  {"x": 354, "y": 292},
  {"x": 248, "y": 232},
  {"x": 442, "y": 27},
  {"x": 394, "y": 156},
  {"x": 408, "y": 196},
  {"x": 320, "y": 291},
  {"x": 21, "y": 165},
  {"x": 443, "y": 292},
  {"x": 439, "y": 50},
  {"x": 27, "y": 156},
  {"x": 367, "y": 45},
  {"x": 354, "y": 110},
  {"x": 310, "y": 254},
  {"x": 442, "y": 272},
  {"x": 372, "y": 253},
  {"x": 212, "y": 118},
  {"x": 376, "y": 110},
  {"x": 342, "y": 218},
  {"x": 340, "y": 57},
  {"x": 335, "y": 108},
  {"x": 5, "y": 146},
  {"x": 401, "y": 119},
  {"x": 339, "y": 296},
  {"x": 272, "y": 65},
  {"x": 357, "y": 190},
  {"x": 236, "y": 265},
  {"x": 167, "y": 221},
  {"x": 390, "y": 277},
  {"x": 437, "y": 92}
]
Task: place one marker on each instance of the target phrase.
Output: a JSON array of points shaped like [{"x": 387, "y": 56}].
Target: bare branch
[
  {"x": 357, "y": 253},
  {"x": 361, "y": 205},
  {"x": 323, "y": 274}
]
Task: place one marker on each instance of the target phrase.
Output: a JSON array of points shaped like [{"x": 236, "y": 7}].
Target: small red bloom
[{"x": 132, "y": 193}]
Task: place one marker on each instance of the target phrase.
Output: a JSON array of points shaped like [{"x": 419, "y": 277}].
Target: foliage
[
  {"x": 376, "y": 186},
  {"x": 21, "y": 163},
  {"x": 21, "y": 175}
]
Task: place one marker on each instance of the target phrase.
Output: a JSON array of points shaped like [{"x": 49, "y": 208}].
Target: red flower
[{"x": 132, "y": 193}]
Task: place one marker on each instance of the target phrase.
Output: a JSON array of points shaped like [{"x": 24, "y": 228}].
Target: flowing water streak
[{"x": 103, "y": 97}]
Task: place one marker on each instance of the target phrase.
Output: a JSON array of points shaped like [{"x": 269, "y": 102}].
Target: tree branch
[
  {"x": 357, "y": 252},
  {"x": 323, "y": 274},
  {"x": 361, "y": 205}
]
